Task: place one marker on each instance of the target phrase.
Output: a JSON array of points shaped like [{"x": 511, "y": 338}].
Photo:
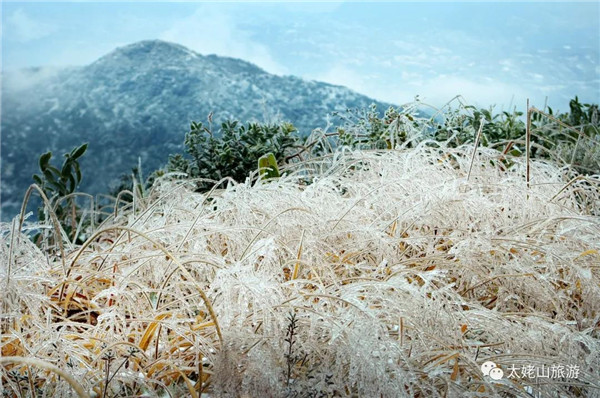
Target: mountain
[{"x": 138, "y": 101}]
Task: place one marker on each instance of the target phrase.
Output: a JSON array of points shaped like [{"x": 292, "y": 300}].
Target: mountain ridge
[{"x": 138, "y": 101}]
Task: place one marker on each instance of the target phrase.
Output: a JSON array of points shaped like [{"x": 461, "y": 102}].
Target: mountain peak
[
  {"x": 149, "y": 49},
  {"x": 149, "y": 53}
]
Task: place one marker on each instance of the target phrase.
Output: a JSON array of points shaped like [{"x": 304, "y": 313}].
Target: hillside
[{"x": 138, "y": 101}]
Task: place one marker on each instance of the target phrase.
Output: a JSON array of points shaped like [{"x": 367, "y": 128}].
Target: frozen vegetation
[{"x": 358, "y": 273}]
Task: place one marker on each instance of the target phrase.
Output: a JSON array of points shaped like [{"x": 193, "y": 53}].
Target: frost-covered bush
[{"x": 232, "y": 152}]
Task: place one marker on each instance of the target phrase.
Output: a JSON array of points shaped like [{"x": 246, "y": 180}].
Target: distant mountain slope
[{"x": 138, "y": 101}]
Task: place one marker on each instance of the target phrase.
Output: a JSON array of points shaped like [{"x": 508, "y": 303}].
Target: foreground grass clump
[{"x": 395, "y": 273}]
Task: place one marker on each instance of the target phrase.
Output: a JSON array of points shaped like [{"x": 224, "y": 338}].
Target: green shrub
[
  {"x": 59, "y": 185},
  {"x": 572, "y": 137},
  {"x": 234, "y": 152}
]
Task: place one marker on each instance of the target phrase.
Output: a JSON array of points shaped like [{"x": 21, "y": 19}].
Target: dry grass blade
[
  {"x": 57, "y": 228},
  {"x": 297, "y": 265},
  {"x": 475, "y": 146},
  {"x": 167, "y": 254},
  {"x": 150, "y": 330},
  {"x": 528, "y": 144},
  {"x": 53, "y": 368}
]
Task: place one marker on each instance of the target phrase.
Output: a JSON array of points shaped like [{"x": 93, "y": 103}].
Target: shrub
[
  {"x": 366, "y": 129},
  {"x": 568, "y": 138},
  {"x": 59, "y": 186},
  {"x": 234, "y": 152}
]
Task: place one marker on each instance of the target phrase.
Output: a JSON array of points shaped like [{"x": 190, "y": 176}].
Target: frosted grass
[{"x": 403, "y": 275}]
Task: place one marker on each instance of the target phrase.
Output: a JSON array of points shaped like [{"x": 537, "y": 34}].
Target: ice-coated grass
[{"x": 402, "y": 276}]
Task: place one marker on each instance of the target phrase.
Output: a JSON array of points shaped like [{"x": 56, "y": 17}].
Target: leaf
[
  {"x": 53, "y": 170},
  {"x": 78, "y": 172},
  {"x": 76, "y": 153},
  {"x": 588, "y": 252},
  {"x": 59, "y": 187},
  {"x": 149, "y": 333},
  {"x": 49, "y": 176},
  {"x": 268, "y": 166},
  {"x": 65, "y": 172},
  {"x": 44, "y": 159},
  {"x": 203, "y": 325},
  {"x": 72, "y": 183},
  {"x": 454, "y": 374}
]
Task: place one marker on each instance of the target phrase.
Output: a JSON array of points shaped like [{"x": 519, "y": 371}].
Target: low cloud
[
  {"x": 478, "y": 91},
  {"x": 435, "y": 90},
  {"x": 344, "y": 76},
  {"x": 372, "y": 85},
  {"x": 209, "y": 31},
  {"x": 21, "y": 79},
  {"x": 21, "y": 27}
]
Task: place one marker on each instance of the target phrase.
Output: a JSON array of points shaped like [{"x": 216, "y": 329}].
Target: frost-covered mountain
[{"x": 138, "y": 101}]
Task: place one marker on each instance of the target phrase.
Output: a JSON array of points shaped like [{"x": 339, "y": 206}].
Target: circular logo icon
[
  {"x": 486, "y": 367},
  {"x": 496, "y": 373}
]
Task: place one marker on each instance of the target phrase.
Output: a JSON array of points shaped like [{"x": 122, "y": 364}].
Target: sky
[{"x": 490, "y": 53}]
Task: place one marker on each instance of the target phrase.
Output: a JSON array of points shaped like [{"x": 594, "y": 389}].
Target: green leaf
[
  {"x": 38, "y": 180},
  {"x": 72, "y": 183},
  {"x": 515, "y": 152},
  {"x": 78, "y": 172},
  {"x": 49, "y": 176},
  {"x": 65, "y": 172},
  {"x": 267, "y": 165},
  {"x": 58, "y": 186},
  {"x": 53, "y": 170},
  {"x": 76, "y": 153},
  {"x": 44, "y": 159}
]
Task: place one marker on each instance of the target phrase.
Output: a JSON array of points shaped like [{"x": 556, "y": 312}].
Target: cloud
[
  {"x": 435, "y": 90},
  {"x": 209, "y": 31},
  {"x": 370, "y": 84},
  {"x": 21, "y": 79},
  {"x": 312, "y": 7},
  {"x": 477, "y": 90},
  {"x": 344, "y": 76},
  {"x": 23, "y": 28}
]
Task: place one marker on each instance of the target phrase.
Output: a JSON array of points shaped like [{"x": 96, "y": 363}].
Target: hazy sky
[{"x": 491, "y": 53}]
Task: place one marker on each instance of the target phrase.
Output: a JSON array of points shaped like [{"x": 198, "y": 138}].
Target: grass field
[{"x": 395, "y": 273}]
